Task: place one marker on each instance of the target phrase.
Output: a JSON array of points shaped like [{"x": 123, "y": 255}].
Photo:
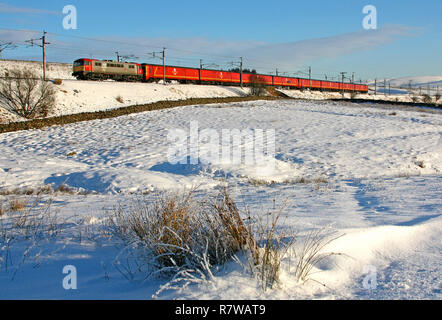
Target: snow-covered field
[{"x": 375, "y": 179}]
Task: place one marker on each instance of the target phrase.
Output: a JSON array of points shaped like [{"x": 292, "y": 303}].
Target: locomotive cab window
[
  {"x": 98, "y": 64},
  {"x": 79, "y": 63}
]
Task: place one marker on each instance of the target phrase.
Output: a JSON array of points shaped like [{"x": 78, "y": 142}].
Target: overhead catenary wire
[{"x": 212, "y": 58}]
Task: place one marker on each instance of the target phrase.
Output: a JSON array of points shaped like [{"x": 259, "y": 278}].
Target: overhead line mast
[{"x": 43, "y": 46}]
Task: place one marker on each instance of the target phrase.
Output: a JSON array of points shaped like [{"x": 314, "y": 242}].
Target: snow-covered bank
[
  {"x": 91, "y": 96},
  {"x": 53, "y": 70}
]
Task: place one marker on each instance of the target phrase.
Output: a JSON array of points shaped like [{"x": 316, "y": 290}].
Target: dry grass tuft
[
  {"x": 310, "y": 253},
  {"x": 177, "y": 231},
  {"x": 120, "y": 99},
  {"x": 179, "y": 236},
  {"x": 17, "y": 204},
  {"x": 63, "y": 188}
]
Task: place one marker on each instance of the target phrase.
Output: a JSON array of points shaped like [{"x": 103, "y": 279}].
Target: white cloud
[
  {"x": 260, "y": 55},
  {"x": 287, "y": 54},
  {"x": 4, "y": 7}
]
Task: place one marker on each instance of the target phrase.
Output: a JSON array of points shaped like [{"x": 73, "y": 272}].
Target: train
[{"x": 93, "y": 69}]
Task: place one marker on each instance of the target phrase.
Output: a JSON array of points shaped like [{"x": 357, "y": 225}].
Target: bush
[
  {"x": 257, "y": 85},
  {"x": 427, "y": 98},
  {"x": 415, "y": 99},
  {"x": 24, "y": 93},
  {"x": 58, "y": 82}
]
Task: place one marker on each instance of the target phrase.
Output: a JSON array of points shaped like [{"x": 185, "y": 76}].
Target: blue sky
[{"x": 288, "y": 35}]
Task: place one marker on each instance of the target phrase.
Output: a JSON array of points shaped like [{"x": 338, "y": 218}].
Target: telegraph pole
[
  {"x": 375, "y": 86},
  {"x": 240, "y": 67},
  {"x": 310, "y": 76},
  {"x": 353, "y": 78},
  {"x": 43, "y": 46},
  {"x": 343, "y": 78},
  {"x": 164, "y": 66},
  {"x": 276, "y": 72},
  {"x": 118, "y": 56},
  {"x": 385, "y": 86},
  {"x": 163, "y": 57}
]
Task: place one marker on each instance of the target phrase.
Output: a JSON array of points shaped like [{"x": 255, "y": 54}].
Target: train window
[
  {"x": 97, "y": 64},
  {"x": 79, "y": 63},
  {"x": 131, "y": 67}
]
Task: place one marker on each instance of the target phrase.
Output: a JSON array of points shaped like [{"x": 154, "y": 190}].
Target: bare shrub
[
  {"x": 120, "y": 99},
  {"x": 437, "y": 96},
  {"x": 257, "y": 85},
  {"x": 58, "y": 82},
  {"x": 427, "y": 99},
  {"x": 24, "y": 93}
]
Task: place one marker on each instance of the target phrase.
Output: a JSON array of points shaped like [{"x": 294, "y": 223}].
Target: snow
[
  {"x": 381, "y": 195},
  {"x": 74, "y": 96},
  {"x": 90, "y": 96},
  {"x": 53, "y": 70}
]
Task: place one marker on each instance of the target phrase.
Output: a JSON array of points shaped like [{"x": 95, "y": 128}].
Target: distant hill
[{"x": 422, "y": 81}]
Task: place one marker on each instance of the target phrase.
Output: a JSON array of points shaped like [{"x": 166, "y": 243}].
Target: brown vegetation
[{"x": 23, "y": 93}]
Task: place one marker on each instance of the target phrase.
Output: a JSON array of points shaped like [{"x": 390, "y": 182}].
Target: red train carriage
[
  {"x": 125, "y": 71},
  {"x": 155, "y": 73},
  {"x": 285, "y": 82}
]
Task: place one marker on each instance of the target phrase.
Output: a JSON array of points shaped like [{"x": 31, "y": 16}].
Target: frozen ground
[{"x": 382, "y": 173}]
